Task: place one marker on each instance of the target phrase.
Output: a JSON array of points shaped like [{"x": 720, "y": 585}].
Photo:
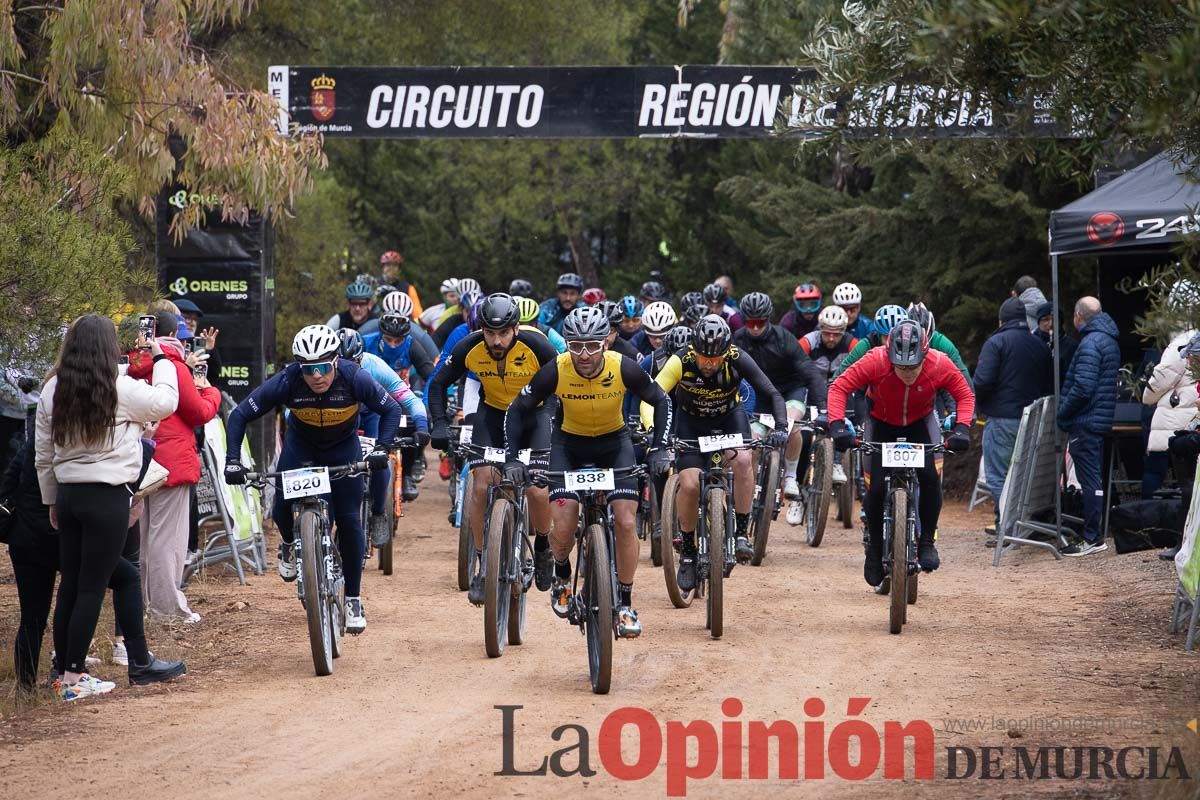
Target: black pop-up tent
[{"x": 1149, "y": 209}]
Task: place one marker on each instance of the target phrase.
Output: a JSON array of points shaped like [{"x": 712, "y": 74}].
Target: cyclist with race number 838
[{"x": 902, "y": 379}]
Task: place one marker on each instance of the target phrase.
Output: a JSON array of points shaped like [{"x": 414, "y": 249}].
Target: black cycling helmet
[
  {"x": 499, "y": 311},
  {"x": 521, "y": 288},
  {"x": 690, "y": 299},
  {"x": 923, "y": 317},
  {"x": 711, "y": 336},
  {"x": 569, "y": 280},
  {"x": 653, "y": 290},
  {"x": 359, "y": 290},
  {"x": 906, "y": 344},
  {"x": 394, "y": 324},
  {"x": 757, "y": 305},
  {"x": 693, "y": 314},
  {"x": 677, "y": 338},
  {"x": 714, "y": 293},
  {"x": 586, "y": 323},
  {"x": 351, "y": 344},
  {"x": 612, "y": 311}
]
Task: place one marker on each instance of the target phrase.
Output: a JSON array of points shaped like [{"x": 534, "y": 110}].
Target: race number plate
[
  {"x": 403, "y": 423},
  {"x": 902, "y": 455},
  {"x": 306, "y": 482},
  {"x": 768, "y": 421},
  {"x": 464, "y": 434},
  {"x": 368, "y": 444},
  {"x": 813, "y": 413},
  {"x": 593, "y": 479},
  {"x": 710, "y": 444},
  {"x": 524, "y": 455},
  {"x": 494, "y": 455}
]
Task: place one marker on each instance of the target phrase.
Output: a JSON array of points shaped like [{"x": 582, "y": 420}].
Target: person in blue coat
[{"x": 1086, "y": 408}]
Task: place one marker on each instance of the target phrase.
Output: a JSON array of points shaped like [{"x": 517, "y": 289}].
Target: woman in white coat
[{"x": 1172, "y": 390}]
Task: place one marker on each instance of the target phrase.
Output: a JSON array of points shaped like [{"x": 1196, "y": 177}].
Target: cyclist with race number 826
[{"x": 902, "y": 378}]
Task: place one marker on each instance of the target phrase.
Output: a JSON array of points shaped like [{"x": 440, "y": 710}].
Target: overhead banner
[{"x": 607, "y": 102}]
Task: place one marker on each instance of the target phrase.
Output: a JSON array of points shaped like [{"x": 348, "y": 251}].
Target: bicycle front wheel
[
  {"x": 761, "y": 524},
  {"x": 716, "y": 562},
  {"x": 389, "y": 513},
  {"x": 818, "y": 490},
  {"x": 598, "y": 610},
  {"x": 466, "y": 543},
  {"x": 497, "y": 548},
  {"x": 678, "y": 598},
  {"x": 845, "y": 497},
  {"x": 897, "y": 609},
  {"x": 316, "y": 594}
]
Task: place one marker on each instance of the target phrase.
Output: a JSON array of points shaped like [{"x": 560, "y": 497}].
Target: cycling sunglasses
[
  {"x": 318, "y": 370},
  {"x": 585, "y": 348},
  {"x": 756, "y": 324},
  {"x": 710, "y": 361},
  {"x": 808, "y": 307}
]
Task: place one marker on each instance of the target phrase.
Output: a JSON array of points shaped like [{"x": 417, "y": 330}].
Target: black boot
[
  {"x": 873, "y": 564},
  {"x": 155, "y": 671},
  {"x": 927, "y": 555}
]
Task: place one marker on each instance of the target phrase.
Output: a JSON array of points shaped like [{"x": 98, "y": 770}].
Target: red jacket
[
  {"x": 893, "y": 402},
  {"x": 176, "y": 438}
]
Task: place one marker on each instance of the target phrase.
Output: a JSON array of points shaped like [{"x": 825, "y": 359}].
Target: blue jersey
[
  {"x": 400, "y": 391},
  {"x": 320, "y": 420},
  {"x": 862, "y": 327}
]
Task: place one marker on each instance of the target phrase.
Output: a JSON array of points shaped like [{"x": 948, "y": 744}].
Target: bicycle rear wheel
[
  {"x": 899, "y": 590},
  {"x": 678, "y": 598},
  {"x": 818, "y": 491},
  {"x": 760, "y": 526},
  {"x": 496, "y": 594},
  {"x": 316, "y": 594},
  {"x": 598, "y": 610},
  {"x": 716, "y": 562},
  {"x": 466, "y": 543}
]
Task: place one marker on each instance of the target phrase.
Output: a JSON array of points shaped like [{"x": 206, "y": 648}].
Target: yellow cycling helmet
[{"x": 529, "y": 309}]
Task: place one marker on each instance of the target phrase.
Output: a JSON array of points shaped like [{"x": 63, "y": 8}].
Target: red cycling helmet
[
  {"x": 390, "y": 256},
  {"x": 594, "y": 295},
  {"x": 807, "y": 298}
]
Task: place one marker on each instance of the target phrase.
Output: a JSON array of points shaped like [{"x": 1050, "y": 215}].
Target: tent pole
[{"x": 1055, "y": 340}]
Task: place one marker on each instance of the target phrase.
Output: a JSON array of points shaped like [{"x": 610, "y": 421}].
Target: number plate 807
[{"x": 903, "y": 455}]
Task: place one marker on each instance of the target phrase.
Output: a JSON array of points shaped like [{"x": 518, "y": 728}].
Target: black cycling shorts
[
  {"x": 610, "y": 451},
  {"x": 691, "y": 427},
  {"x": 487, "y": 430}
]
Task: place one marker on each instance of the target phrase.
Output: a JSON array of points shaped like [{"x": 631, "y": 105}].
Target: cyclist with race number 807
[
  {"x": 322, "y": 392},
  {"x": 903, "y": 378}
]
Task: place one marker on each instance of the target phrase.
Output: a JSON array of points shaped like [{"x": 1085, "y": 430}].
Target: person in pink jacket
[{"x": 164, "y": 524}]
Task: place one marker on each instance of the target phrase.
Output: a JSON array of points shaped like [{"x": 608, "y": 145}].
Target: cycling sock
[
  {"x": 625, "y": 594},
  {"x": 562, "y": 569},
  {"x": 687, "y": 542},
  {"x": 790, "y": 465},
  {"x": 743, "y": 522},
  {"x": 541, "y": 542}
]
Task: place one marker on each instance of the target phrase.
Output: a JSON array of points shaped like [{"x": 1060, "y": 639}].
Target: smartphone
[
  {"x": 189, "y": 346},
  {"x": 147, "y": 326},
  {"x": 200, "y": 371}
]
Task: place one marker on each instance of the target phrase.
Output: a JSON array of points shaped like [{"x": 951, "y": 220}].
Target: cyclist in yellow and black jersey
[
  {"x": 504, "y": 357},
  {"x": 590, "y": 382},
  {"x": 704, "y": 380}
]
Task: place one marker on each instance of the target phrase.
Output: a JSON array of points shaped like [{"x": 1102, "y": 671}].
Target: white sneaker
[
  {"x": 192, "y": 618},
  {"x": 839, "y": 474},
  {"x": 795, "y": 514},
  {"x": 287, "y": 562},
  {"x": 86, "y": 687},
  {"x": 791, "y": 489},
  {"x": 356, "y": 618},
  {"x": 91, "y": 661},
  {"x": 120, "y": 656}
]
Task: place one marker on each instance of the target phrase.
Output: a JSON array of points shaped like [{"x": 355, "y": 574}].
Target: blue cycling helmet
[
  {"x": 887, "y": 317},
  {"x": 631, "y": 307},
  {"x": 475, "y": 315},
  {"x": 359, "y": 291},
  {"x": 351, "y": 346}
]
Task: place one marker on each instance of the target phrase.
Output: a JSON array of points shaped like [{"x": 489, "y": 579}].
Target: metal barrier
[
  {"x": 1030, "y": 485},
  {"x": 980, "y": 493}
]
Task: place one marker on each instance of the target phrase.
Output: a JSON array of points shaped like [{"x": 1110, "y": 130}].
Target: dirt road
[{"x": 411, "y": 707}]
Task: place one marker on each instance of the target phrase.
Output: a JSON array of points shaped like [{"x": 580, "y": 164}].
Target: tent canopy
[{"x": 1151, "y": 207}]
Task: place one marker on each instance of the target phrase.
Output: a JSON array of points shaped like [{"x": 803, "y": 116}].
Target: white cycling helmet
[
  {"x": 467, "y": 285},
  {"x": 847, "y": 294},
  {"x": 316, "y": 343},
  {"x": 398, "y": 303},
  {"x": 450, "y": 285},
  {"x": 658, "y": 318},
  {"x": 833, "y": 318}
]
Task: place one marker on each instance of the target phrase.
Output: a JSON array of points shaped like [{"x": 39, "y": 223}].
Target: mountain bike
[
  {"x": 901, "y": 521},
  {"x": 320, "y": 583},
  {"x": 768, "y": 500},
  {"x": 649, "y": 522},
  {"x": 594, "y": 581},
  {"x": 461, "y": 491},
  {"x": 817, "y": 490}
]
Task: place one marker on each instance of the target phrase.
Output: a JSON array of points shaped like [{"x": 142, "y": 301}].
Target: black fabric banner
[{"x": 601, "y": 102}]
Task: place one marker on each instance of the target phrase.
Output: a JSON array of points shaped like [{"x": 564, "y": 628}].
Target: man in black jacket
[{"x": 1014, "y": 370}]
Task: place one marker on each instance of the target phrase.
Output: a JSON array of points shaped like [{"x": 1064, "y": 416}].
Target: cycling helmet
[
  {"x": 847, "y": 294},
  {"x": 757, "y": 305},
  {"x": 499, "y": 311},
  {"x": 466, "y": 285},
  {"x": 807, "y": 298},
  {"x": 384, "y": 290},
  {"x": 593, "y": 296},
  {"x": 714, "y": 293},
  {"x": 390, "y": 256},
  {"x": 474, "y": 321},
  {"x": 833, "y": 318},
  {"x": 923, "y": 317},
  {"x": 520, "y": 288},
  {"x": 468, "y": 299},
  {"x": 887, "y": 316},
  {"x": 693, "y": 314},
  {"x": 906, "y": 344},
  {"x": 399, "y": 303},
  {"x": 631, "y": 306},
  {"x": 359, "y": 291},
  {"x": 394, "y": 324},
  {"x": 711, "y": 336},
  {"x": 690, "y": 299},
  {"x": 351, "y": 344},
  {"x": 586, "y": 323},
  {"x": 612, "y": 311},
  {"x": 569, "y": 280},
  {"x": 678, "y": 338},
  {"x": 450, "y": 285},
  {"x": 658, "y": 318},
  {"x": 529, "y": 309},
  {"x": 315, "y": 343},
  {"x": 652, "y": 290}
]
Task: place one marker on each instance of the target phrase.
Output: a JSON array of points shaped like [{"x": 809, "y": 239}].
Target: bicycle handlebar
[
  {"x": 870, "y": 448},
  {"x": 353, "y": 469},
  {"x": 541, "y": 477}
]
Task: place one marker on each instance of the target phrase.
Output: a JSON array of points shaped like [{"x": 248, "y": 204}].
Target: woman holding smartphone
[{"x": 88, "y": 453}]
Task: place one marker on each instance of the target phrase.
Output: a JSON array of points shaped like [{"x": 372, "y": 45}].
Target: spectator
[
  {"x": 1085, "y": 411},
  {"x": 191, "y": 314},
  {"x": 1172, "y": 391},
  {"x": 1026, "y": 290},
  {"x": 88, "y": 451},
  {"x": 1014, "y": 370},
  {"x": 166, "y": 520},
  {"x": 726, "y": 283},
  {"x": 1067, "y": 342}
]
